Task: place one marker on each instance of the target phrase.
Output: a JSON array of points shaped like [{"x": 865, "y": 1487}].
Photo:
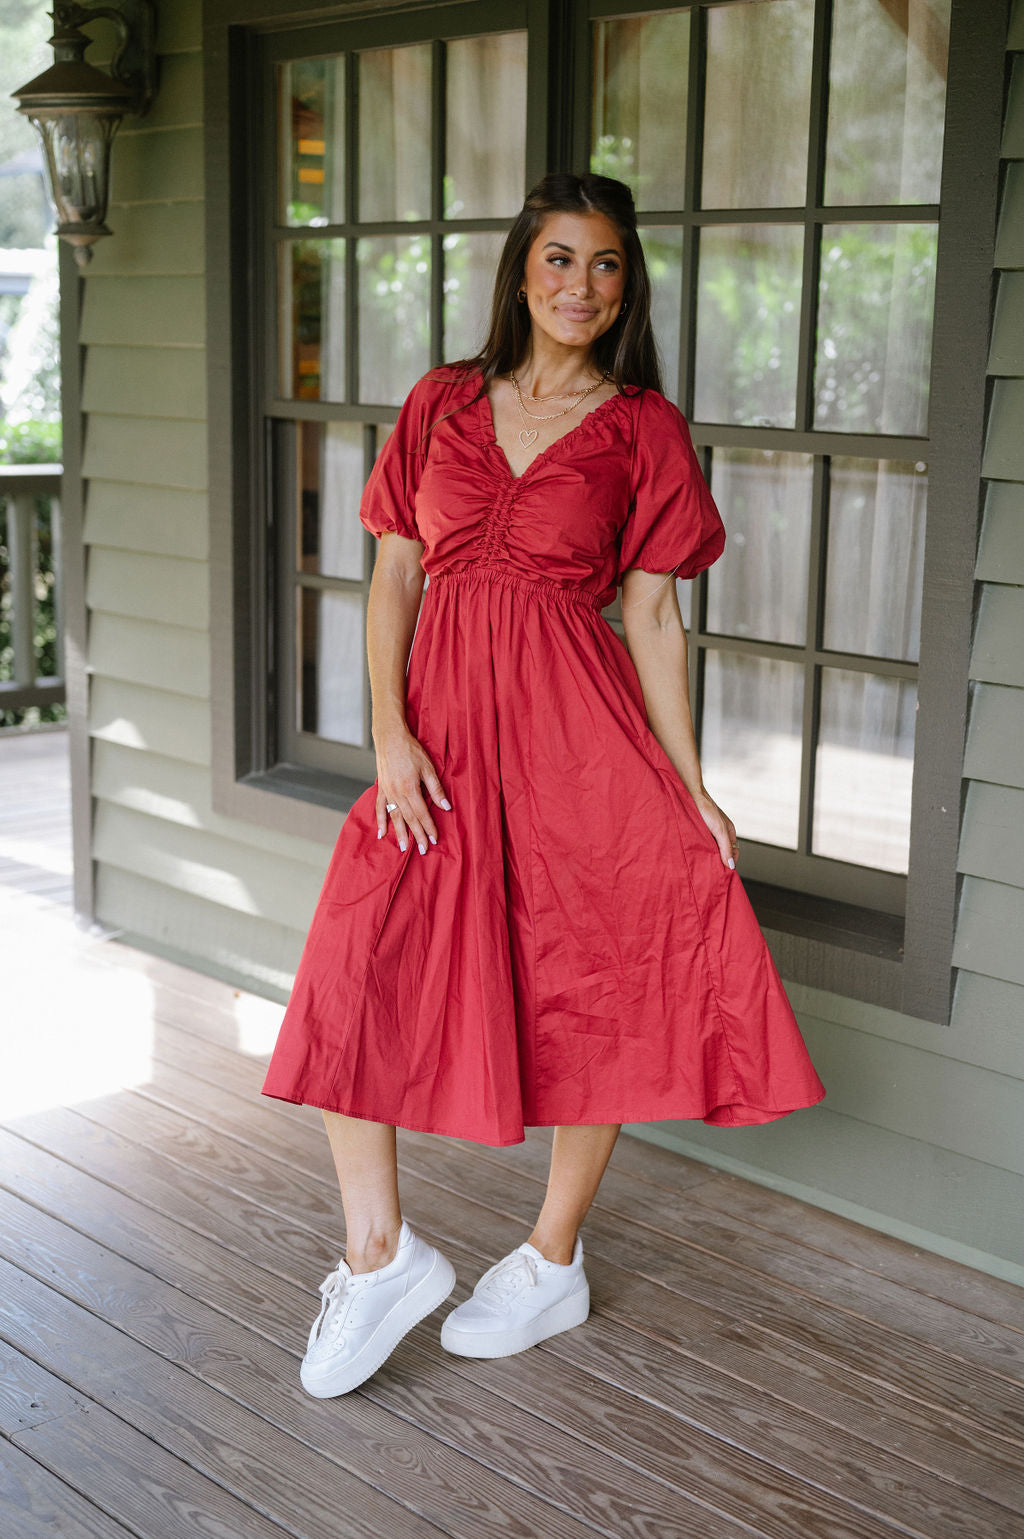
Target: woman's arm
[
  {"x": 402, "y": 762},
  {"x": 656, "y": 639}
]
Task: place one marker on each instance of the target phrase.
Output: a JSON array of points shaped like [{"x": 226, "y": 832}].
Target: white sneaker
[
  {"x": 519, "y": 1301},
  {"x": 364, "y": 1315}
]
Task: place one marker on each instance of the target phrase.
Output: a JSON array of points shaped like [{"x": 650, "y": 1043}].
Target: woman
[{"x": 534, "y": 916}]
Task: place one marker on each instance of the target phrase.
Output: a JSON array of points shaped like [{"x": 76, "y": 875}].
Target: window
[
  {"x": 398, "y": 168},
  {"x": 786, "y": 158}
]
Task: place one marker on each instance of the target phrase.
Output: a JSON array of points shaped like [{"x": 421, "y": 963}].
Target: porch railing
[{"x": 30, "y": 495}]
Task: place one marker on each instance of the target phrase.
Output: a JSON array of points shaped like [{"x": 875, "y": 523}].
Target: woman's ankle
[{"x": 371, "y": 1252}]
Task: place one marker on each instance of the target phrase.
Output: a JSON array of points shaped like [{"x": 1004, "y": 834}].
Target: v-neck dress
[{"x": 573, "y": 949}]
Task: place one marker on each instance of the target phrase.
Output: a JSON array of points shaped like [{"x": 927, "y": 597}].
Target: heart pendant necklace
[{"x": 527, "y": 435}]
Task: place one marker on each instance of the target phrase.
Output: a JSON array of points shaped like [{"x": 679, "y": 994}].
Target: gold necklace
[{"x": 527, "y": 436}]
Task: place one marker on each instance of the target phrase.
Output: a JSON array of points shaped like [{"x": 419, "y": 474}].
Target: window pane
[
  {"x": 750, "y": 743},
  {"x": 312, "y": 325},
  {"x": 865, "y": 765},
  {"x": 311, "y": 122},
  {"x": 486, "y": 134},
  {"x": 759, "y": 587},
  {"x": 331, "y": 538},
  {"x": 638, "y": 128},
  {"x": 394, "y": 315},
  {"x": 470, "y": 262},
  {"x": 394, "y": 133},
  {"x": 756, "y": 106},
  {"x": 748, "y": 318},
  {"x": 663, "y": 253},
  {"x": 875, "y": 327},
  {"x": 875, "y": 557},
  {"x": 331, "y": 666},
  {"x": 887, "y": 95}
]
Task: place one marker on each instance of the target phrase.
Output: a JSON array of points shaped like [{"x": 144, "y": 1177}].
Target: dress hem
[{"x": 759, "y": 1119}]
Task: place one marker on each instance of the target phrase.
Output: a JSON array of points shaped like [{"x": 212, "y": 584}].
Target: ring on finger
[{"x": 391, "y": 806}]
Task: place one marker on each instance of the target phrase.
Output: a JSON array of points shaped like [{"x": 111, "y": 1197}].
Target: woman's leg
[
  {"x": 366, "y": 1159},
  {"x": 578, "y": 1159}
]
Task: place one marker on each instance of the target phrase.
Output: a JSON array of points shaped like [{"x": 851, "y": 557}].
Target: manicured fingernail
[
  {"x": 732, "y": 865},
  {"x": 431, "y": 838},
  {"x": 446, "y": 804},
  {"x": 402, "y": 844},
  {"x": 422, "y": 848},
  {"x": 380, "y": 833}
]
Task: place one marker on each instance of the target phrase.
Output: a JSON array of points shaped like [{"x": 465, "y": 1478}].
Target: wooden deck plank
[
  {"x": 35, "y": 1504},
  {"x": 753, "y": 1365},
  {"x": 230, "y": 1446},
  {"x": 720, "y": 1361},
  {"x": 109, "y": 1464},
  {"x": 780, "y": 1436},
  {"x": 829, "y": 1234},
  {"x": 757, "y": 1274},
  {"x": 696, "y": 1208},
  {"x": 524, "y": 1451},
  {"x": 766, "y": 1365}
]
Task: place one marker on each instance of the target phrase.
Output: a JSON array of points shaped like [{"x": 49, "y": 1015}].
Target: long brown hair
[{"x": 627, "y": 351}]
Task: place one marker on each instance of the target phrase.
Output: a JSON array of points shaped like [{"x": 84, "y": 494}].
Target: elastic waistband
[{"x": 539, "y": 587}]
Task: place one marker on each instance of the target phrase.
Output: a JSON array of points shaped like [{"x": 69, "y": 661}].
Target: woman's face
[{"x": 575, "y": 277}]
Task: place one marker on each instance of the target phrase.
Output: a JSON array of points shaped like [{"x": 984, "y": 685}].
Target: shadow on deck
[{"x": 751, "y": 1365}]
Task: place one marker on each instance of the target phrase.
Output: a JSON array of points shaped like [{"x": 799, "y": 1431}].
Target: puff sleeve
[
  {"x": 389, "y": 496},
  {"x": 673, "y": 524}
]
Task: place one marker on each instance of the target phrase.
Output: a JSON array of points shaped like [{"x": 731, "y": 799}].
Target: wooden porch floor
[{"x": 752, "y": 1365}]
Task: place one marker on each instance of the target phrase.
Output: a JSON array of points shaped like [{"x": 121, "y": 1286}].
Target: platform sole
[
  {"x": 428, "y": 1293},
  {"x": 503, "y": 1343}
]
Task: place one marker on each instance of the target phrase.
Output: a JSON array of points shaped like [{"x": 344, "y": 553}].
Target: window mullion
[
  {"x": 351, "y": 184},
  {"x": 814, "y": 625},
  {"x": 691, "y": 200},
  {"x": 438, "y": 154}
]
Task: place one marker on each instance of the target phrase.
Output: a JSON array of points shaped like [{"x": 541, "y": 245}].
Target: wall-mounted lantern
[{"x": 77, "y": 109}]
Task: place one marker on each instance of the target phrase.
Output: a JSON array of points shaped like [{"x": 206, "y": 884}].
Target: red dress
[{"x": 572, "y": 950}]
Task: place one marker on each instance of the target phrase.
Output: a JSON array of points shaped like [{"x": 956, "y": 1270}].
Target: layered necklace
[{"x": 527, "y": 435}]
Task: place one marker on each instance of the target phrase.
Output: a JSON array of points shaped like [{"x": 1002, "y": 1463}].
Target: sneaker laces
[
  {"x": 507, "y": 1277},
  {"x": 338, "y": 1290}
]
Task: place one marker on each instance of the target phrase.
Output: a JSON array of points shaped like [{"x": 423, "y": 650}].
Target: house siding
[
  {"x": 920, "y": 1132},
  {"x": 169, "y": 872}
]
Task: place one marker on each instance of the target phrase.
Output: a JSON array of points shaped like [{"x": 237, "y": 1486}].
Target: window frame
[{"x": 848, "y": 951}]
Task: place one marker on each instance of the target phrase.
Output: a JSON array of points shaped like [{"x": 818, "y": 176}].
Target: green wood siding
[
  {"x": 921, "y": 1126},
  {"x": 919, "y": 1134}
]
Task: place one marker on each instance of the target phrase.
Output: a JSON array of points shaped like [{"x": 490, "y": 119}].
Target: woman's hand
[
  {"x": 402, "y": 765},
  {"x": 721, "y": 826}
]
